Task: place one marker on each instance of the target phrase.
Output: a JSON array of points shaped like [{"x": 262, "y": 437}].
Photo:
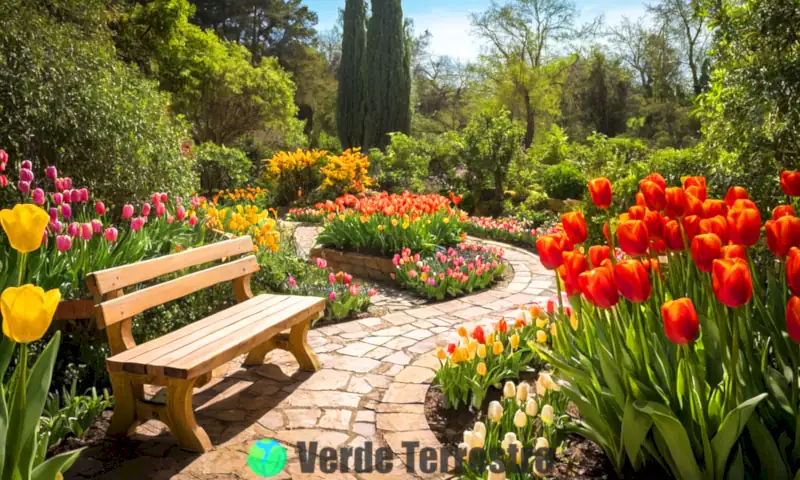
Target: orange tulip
[
  {"x": 782, "y": 211},
  {"x": 717, "y": 225},
  {"x": 744, "y": 225},
  {"x": 599, "y": 287},
  {"x": 658, "y": 179},
  {"x": 697, "y": 192},
  {"x": 733, "y": 251},
  {"x": 598, "y": 253},
  {"x": 633, "y": 237},
  {"x": 676, "y": 202},
  {"x": 575, "y": 227},
  {"x": 654, "y": 196},
  {"x": 712, "y": 208},
  {"x": 783, "y": 234},
  {"x": 790, "y": 183},
  {"x": 607, "y": 233},
  {"x": 706, "y": 248},
  {"x": 691, "y": 225},
  {"x": 793, "y": 270},
  {"x": 735, "y": 193},
  {"x": 632, "y": 280},
  {"x": 551, "y": 249},
  {"x": 680, "y": 321},
  {"x": 636, "y": 212},
  {"x": 793, "y": 318},
  {"x": 697, "y": 181},
  {"x": 694, "y": 206},
  {"x": 502, "y": 326},
  {"x": 655, "y": 224},
  {"x": 731, "y": 281},
  {"x": 640, "y": 199},
  {"x": 574, "y": 264},
  {"x": 743, "y": 203},
  {"x": 673, "y": 237},
  {"x": 600, "y": 190}
]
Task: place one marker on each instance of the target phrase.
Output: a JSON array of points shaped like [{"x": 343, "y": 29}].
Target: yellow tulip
[
  {"x": 481, "y": 369},
  {"x": 541, "y": 322},
  {"x": 27, "y": 311},
  {"x": 541, "y": 336},
  {"x": 459, "y": 355},
  {"x": 573, "y": 321},
  {"x": 441, "y": 354},
  {"x": 553, "y": 329},
  {"x": 482, "y": 351},
  {"x": 490, "y": 338},
  {"x": 497, "y": 348},
  {"x": 514, "y": 339},
  {"x": 24, "y": 226}
]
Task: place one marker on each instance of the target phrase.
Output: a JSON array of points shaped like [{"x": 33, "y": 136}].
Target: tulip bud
[
  {"x": 53, "y": 211},
  {"x": 23, "y": 186},
  {"x": 3, "y": 181},
  {"x": 180, "y": 212},
  {"x": 531, "y": 408},
  {"x": 192, "y": 221},
  {"x": 599, "y": 287},
  {"x": 481, "y": 369},
  {"x": 731, "y": 281},
  {"x": 66, "y": 210},
  {"x": 97, "y": 226},
  {"x": 680, "y": 321},
  {"x": 600, "y": 190},
  {"x": 163, "y": 197},
  {"x": 509, "y": 390},
  {"x": 482, "y": 351},
  {"x": 3, "y": 156},
  {"x": 793, "y": 318},
  {"x": 495, "y": 412},
  {"x": 137, "y": 223},
  {"x": 38, "y": 196},
  {"x": 111, "y": 234},
  {"x": 100, "y": 208},
  {"x": 63, "y": 243},
  {"x": 25, "y": 175},
  {"x": 26, "y": 164},
  {"x": 654, "y": 195},
  {"x": 86, "y": 231},
  {"x": 520, "y": 419},
  {"x": 57, "y": 198},
  {"x": 160, "y": 209},
  {"x": 790, "y": 183},
  {"x": 574, "y": 225},
  {"x": 522, "y": 392},
  {"x": 735, "y": 193},
  {"x": 74, "y": 229},
  {"x": 75, "y": 196},
  {"x": 632, "y": 280},
  {"x": 514, "y": 340},
  {"x": 706, "y": 248},
  {"x": 51, "y": 172},
  {"x": 633, "y": 237},
  {"x": 547, "y": 414},
  {"x": 155, "y": 199},
  {"x": 541, "y": 442},
  {"x": 497, "y": 348},
  {"x": 127, "y": 211},
  {"x": 146, "y": 210},
  {"x": 56, "y": 227},
  {"x": 332, "y": 296},
  {"x": 551, "y": 249}
]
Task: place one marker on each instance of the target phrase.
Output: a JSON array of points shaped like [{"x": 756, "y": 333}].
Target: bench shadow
[{"x": 229, "y": 408}]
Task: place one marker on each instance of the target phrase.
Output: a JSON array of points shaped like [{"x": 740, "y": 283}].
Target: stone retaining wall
[{"x": 358, "y": 264}]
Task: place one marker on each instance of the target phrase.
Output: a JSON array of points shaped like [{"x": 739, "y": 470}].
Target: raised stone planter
[{"x": 358, "y": 264}]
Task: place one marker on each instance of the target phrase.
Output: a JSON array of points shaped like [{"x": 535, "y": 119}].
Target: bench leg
[
  {"x": 298, "y": 346},
  {"x": 124, "y": 405},
  {"x": 181, "y": 421},
  {"x": 256, "y": 355}
]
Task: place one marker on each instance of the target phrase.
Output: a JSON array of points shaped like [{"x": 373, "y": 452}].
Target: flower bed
[
  {"x": 507, "y": 230},
  {"x": 451, "y": 273},
  {"x": 364, "y": 266}
]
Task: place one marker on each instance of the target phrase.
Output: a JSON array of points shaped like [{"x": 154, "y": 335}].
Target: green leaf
[
  {"x": 635, "y": 426},
  {"x": 54, "y": 465},
  {"x": 39, "y": 385},
  {"x": 770, "y": 458},
  {"x": 3, "y": 427},
  {"x": 677, "y": 440},
  {"x": 7, "y": 347},
  {"x": 730, "y": 430}
]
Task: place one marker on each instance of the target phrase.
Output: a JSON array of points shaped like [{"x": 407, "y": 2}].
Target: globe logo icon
[{"x": 267, "y": 458}]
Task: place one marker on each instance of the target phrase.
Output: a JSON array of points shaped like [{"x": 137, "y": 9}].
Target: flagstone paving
[{"x": 371, "y": 388}]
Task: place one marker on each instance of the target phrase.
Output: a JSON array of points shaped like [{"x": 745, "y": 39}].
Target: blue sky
[{"x": 448, "y": 20}]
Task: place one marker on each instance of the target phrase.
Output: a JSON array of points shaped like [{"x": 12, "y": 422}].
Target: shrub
[
  {"x": 404, "y": 165},
  {"x": 564, "y": 181},
  {"x": 346, "y": 173},
  {"x": 68, "y": 413},
  {"x": 221, "y": 167},
  {"x": 294, "y": 173}
]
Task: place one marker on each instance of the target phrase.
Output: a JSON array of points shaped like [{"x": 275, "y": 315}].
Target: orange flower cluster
[
  {"x": 347, "y": 172},
  {"x": 246, "y": 194},
  {"x": 403, "y": 205}
]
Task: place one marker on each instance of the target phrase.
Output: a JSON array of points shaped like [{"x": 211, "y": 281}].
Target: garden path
[{"x": 372, "y": 387}]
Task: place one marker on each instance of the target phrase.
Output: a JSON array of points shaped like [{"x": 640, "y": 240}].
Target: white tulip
[
  {"x": 499, "y": 474},
  {"x": 509, "y": 390},
  {"x": 541, "y": 442},
  {"x": 474, "y": 439},
  {"x": 463, "y": 447},
  {"x": 510, "y": 438},
  {"x": 495, "y": 411},
  {"x": 520, "y": 419},
  {"x": 531, "y": 408},
  {"x": 522, "y": 392},
  {"x": 524, "y": 315},
  {"x": 480, "y": 427},
  {"x": 547, "y": 414}
]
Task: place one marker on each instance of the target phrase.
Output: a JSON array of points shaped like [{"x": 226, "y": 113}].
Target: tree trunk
[{"x": 530, "y": 120}]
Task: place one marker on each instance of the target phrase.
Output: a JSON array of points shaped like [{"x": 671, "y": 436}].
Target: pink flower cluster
[
  {"x": 452, "y": 264},
  {"x": 508, "y": 225}
]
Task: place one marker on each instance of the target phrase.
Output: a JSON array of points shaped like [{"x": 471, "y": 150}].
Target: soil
[
  {"x": 581, "y": 459},
  {"x": 93, "y": 436}
]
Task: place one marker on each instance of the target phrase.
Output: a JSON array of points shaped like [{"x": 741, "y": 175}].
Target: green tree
[
  {"x": 388, "y": 74},
  {"x": 351, "y": 104}
]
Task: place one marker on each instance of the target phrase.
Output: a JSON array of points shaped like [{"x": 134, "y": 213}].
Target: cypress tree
[
  {"x": 388, "y": 74},
  {"x": 351, "y": 102}
]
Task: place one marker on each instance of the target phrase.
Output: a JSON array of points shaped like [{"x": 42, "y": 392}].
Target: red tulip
[
  {"x": 694, "y": 206},
  {"x": 733, "y": 251},
  {"x": 698, "y": 192},
  {"x": 633, "y": 237},
  {"x": 551, "y": 248},
  {"x": 731, "y": 281},
  {"x": 793, "y": 270},
  {"x": 691, "y": 225},
  {"x": 656, "y": 178},
  {"x": 598, "y": 253},
  {"x": 676, "y": 202},
  {"x": 599, "y": 287},
  {"x": 600, "y": 190},
  {"x": 706, "y": 248},
  {"x": 479, "y": 335},
  {"x": 655, "y": 224},
  {"x": 574, "y": 264},
  {"x": 712, "y": 208},
  {"x": 782, "y": 211},
  {"x": 717, "y": 225},
  {"x": 607, "y": 233},
  {"x": 654, "y": 195},
  {"x": 790, "y": 183},
  {"x": 673, "y": 236},
  {"x": 744, "y": 225},
  {"x": 783, "y": 234},
  {"x": 735, "y": 193},
  {"x": 636, "y": 212},
  {"x": 743, "y": 203},
  {"x": 502, "y": 326},
  {"x": 640, "y": 199},
  {"x": 575, "y": 227},
  {"x": 680, "y": 321},
  {"x": 632, "y": 280},
  {"x": 697, "y": 181},
  {"x": 793, "y": 318}
]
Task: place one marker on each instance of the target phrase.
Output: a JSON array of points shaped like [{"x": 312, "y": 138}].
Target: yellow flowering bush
[
  {"x": 241, "y": 195},
  {"x": 293, "y": 173},
  {"x": 347, "y": 172},
  {"x": 246, "y": 220}
]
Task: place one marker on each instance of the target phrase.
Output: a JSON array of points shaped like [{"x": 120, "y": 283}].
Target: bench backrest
[{"x": 113, "y": 306}]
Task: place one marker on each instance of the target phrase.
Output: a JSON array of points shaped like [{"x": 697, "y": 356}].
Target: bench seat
[{"x": 215, "y": 340}]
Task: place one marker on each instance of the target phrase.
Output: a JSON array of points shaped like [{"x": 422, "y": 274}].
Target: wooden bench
[{"x": 184, "y": 359}]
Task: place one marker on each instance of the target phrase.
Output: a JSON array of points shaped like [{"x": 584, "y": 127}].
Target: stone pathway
[{"x": 371, "y": 388}]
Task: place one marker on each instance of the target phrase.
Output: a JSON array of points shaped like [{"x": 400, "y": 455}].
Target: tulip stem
[
  {"x": 23, "y": 261},
  {"x": 734, "y": 358}
]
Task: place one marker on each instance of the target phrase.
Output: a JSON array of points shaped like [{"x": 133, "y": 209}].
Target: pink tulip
[
  {"x": 66, "y": 210},
  {"x": 160, "y": 209},
  {"x": 347, "y": 278},
  {"x": 372, "y": 292},
  {"x": 332, "y": 296},
  {"x": 86, "y": 231},
  {"x": 155, "y": 199},
  {"x": 75, "y": 196},
  {"x": 332, "y": 278},
  {"x": 63, "y": 243},
  {"x": 100, "y": 208},
  {"x": 321, "y": 262},
  {"x": 74, "y": 229},
  {"x": 354, "y": 289},
  {"x": 178, "y": 200},
  {"x": 38, "y": 196},
  {"x": 111, "y": 234},
  {"x": 60, "y": 184},
  {"x": 97, "y": 226},
  {"x": 67, "y": 183},
  {"x": 26, "y": 175},
  {"x": 53, "y": 214},
  {"x": 292, "y": 282},
  {"x": 180, "y": 212},
  {"x": 3, "y": 156},
  {"x": 84, "y": 195},
  {"x": 26, "y": 164},
  {"x": 23, "y": 186},
  {"x": 56, "y": 226},
  {"x": 57, "y": 198},
  {"x": 66, "y": 196},
  {"x": 146, "y": 210},
  {"x": 192, "y": 221},
  {"x": 51, "y": 172},
  {"x": 137, "y": 223},
  {"x": 44, "y": 237},
  {"x": 3, "y": 181},
  {"x": 170, "y": 219},
  {"x": 127, "y": 211},
  {"x": 163, "y": 197}
]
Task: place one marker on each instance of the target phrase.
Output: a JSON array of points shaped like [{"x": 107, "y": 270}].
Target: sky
[{"x": 448, "y": 20}]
